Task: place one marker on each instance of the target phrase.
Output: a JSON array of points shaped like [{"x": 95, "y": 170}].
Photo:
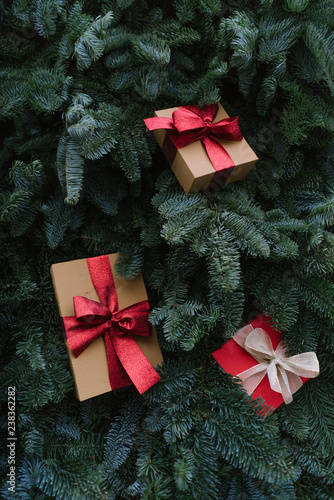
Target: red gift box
[{"x": 234, "y": 359}]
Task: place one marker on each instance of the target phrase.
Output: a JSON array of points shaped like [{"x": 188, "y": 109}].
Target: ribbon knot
[
  {"x": 190, "y": 123},
  {"x": 126, "y": 362},
  {"x": 283, "y": 371},
  {"x": 90, "y": 311}
]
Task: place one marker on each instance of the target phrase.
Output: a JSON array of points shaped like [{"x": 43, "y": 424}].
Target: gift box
[
  {"x": 109, "y": 341},
  {"x": 204, "y": 147},
  {"x": 257, "y": 356}
]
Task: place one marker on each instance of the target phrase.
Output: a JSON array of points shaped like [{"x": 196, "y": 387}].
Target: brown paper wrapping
[
  {"x": 192, "y": 166},
  {"x": 90, "y": 369}
]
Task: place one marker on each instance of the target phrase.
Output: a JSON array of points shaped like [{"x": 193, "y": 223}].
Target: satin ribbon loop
[
  {"x": 190, "y": 123},
  {"x": 283, "y": 371}
]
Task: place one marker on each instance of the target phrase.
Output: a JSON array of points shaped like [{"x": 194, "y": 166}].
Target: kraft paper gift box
[
  {"x": 89, "y": 363},
  {"x": 191, "y": 163},
  {"x": 292, "y": 371}
]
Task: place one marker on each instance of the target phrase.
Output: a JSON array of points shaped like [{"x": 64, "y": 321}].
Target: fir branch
[
  {"x": 121, "y": 436},
  {"x": 46, "y": 15},
  {"x": 321, "y": 44},
  {"x": 90, "y": 46},
  {"x": 151, "y": 49},
  {"x": 70, "y": 166}
]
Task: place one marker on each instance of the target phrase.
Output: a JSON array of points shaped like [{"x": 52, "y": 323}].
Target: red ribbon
[
  {"x": 126, "y": 362},
  {"x": 190, "y": 123}
]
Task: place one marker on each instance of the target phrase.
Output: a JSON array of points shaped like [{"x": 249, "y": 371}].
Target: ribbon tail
[
  {"x": 159, "y": 122},
  {"x": 284, "y": 385},
  {"x": 117, "y": 375},
  {"x": 282, "y": 382},
  {"x": 137, "y": 367},
  {"x": 252, "y": 377},
  {"x": 295, "y": 382},
  {"x": 217, "y": 154}
]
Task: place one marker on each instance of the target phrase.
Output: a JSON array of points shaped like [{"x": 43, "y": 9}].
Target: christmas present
[
  {"x": 109, "y": 341},
  {"x": 204, "y": 146},
  {"x": 257, "y": 356}
]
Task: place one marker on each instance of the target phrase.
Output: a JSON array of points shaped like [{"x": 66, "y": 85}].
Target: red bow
[
  {"x": 126, "y": 362},
  {"x": 190, "y": 123}
]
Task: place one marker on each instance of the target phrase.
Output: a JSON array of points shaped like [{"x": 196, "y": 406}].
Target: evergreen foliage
[{"x": 80, "y": 177}]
